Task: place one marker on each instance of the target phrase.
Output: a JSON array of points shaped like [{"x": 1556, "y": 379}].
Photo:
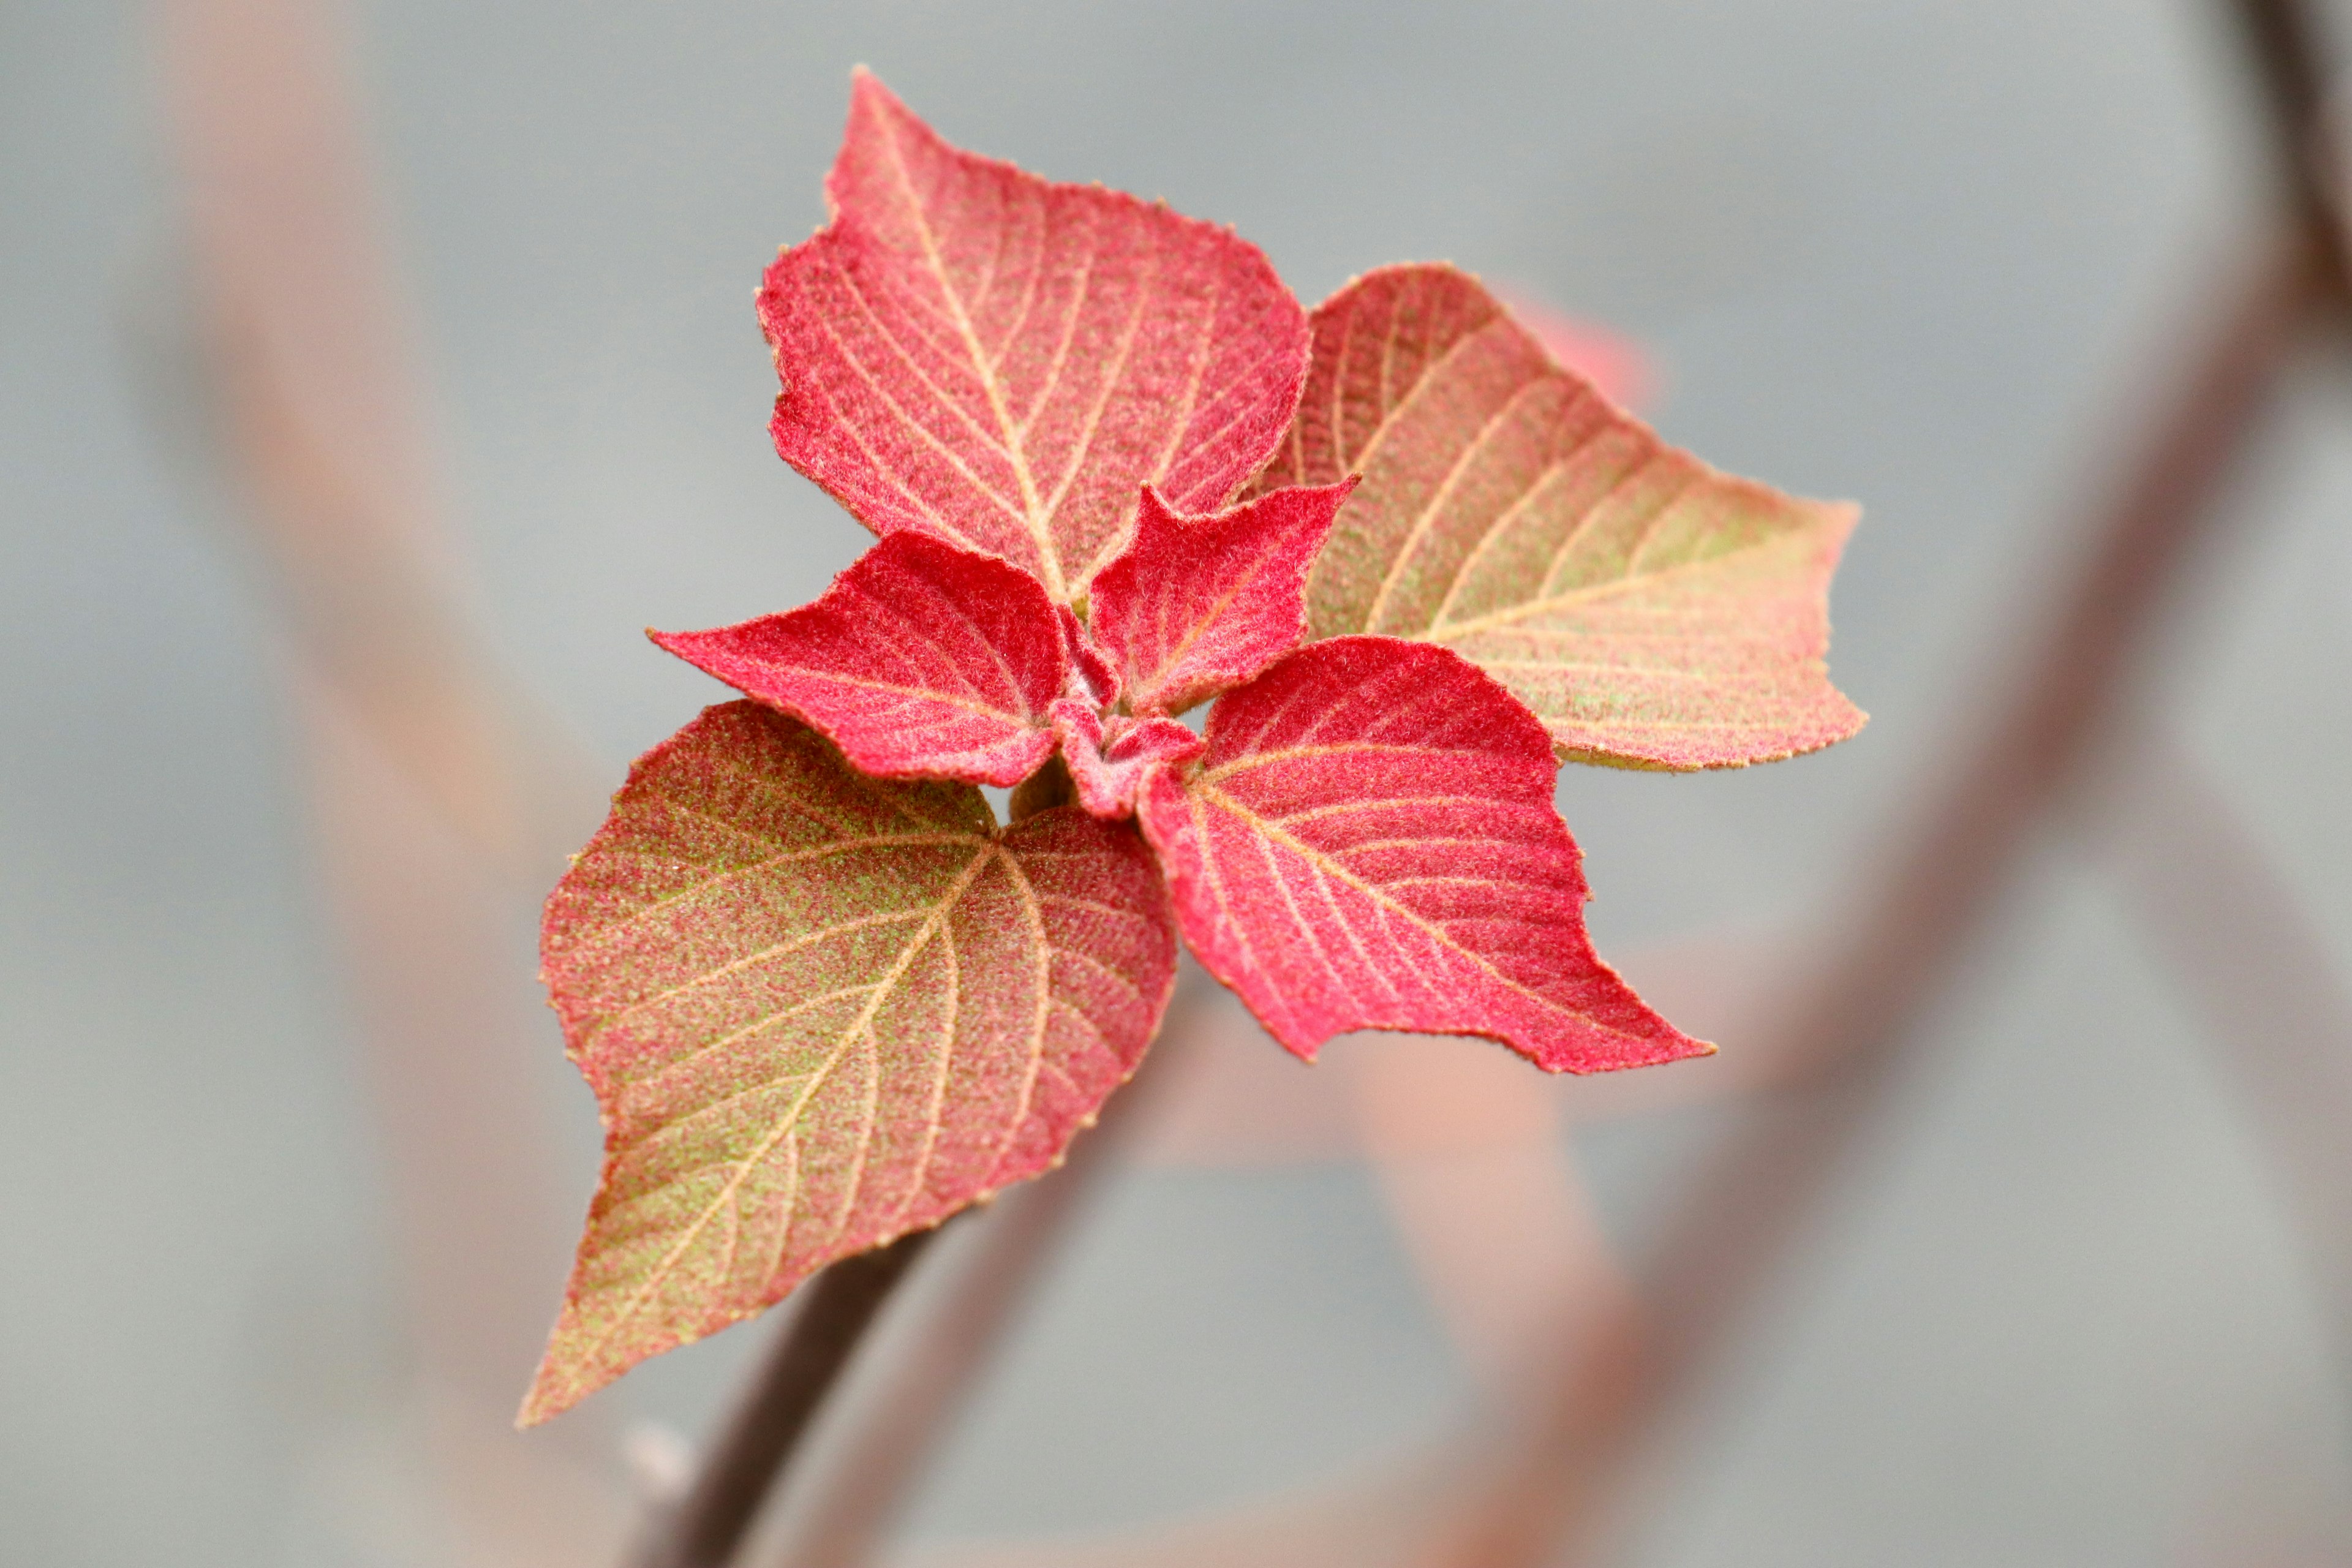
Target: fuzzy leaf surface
[
  {"x": 1369, "y": 842},
  {"x": 1652, "y": 612},
  {"x": 1196, "y": 605},
  {"x": 921, "y": 661},
  {"x": 1002, "y": 360},
  {"x": 1109, "y": 756},
  {"x": 1093, "y": 680},
  {"x": 820, "y": 1011}
]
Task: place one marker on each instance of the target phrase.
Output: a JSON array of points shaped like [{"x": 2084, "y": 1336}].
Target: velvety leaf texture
[
  {"x": 1369, "y": 842},
  {"x": 1109, "y": 756},
  {"x": 1651, "y": 611},
  {"x": 820, "y": 1011},
  {"x": 824, "y": 1000},
  {"x": 1001, "y": 359},
  {"x": 921, "y": 661},
  {"x": 1195, "y": 605}
]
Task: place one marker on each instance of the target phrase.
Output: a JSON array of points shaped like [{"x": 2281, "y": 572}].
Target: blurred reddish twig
[
  {"x": 1754, "y": 1201},
  {"x": 2231, "y": 932},
  {"x": 439, "y": 793},
  {"x": 1756, "y": 1198}
]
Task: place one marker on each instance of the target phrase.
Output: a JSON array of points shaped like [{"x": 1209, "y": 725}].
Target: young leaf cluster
[{"x": 1116, "y": 470}]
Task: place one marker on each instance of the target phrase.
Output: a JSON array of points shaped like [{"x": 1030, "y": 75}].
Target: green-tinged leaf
[
  {"x": 1652, "y": 612},
  {"x": 819, "y": 1011}
]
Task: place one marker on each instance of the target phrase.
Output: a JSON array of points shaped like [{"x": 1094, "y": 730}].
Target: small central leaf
[
  {"x": 1195, "y": 605},
  {"x": 819, "y": 1012},
  {"x": 1109, "y": 758},
  {"x": 921, "y": 661}
]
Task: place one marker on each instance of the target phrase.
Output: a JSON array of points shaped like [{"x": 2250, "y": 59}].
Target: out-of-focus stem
[
  {"x": 1048, "y": 787},
  {"x": 2289, "y": 47},
  {"x": 2231, "y": 933},
  {"x": 1719, "y": 1253},
  {"x": 280, "y": 370},
  {"x": 1748, "y": 1206}
]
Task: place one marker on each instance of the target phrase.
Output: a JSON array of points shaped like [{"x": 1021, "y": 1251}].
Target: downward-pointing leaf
[
  {"x": 973, "y": 349},
  {"x": 1195, "y": 605},
  {"x": 819, "y": 1012},
  {"x": 1369, "y": 842},
  {"x": 921, "y": 661},
  {"x": 1652, "y": 612}
]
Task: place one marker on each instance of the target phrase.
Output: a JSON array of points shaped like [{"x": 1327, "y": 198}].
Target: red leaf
[
  {"x": 973, "y": 349},
  {"x": 1195, "y": 605},
  {"x": 1652, "y": 612},
  {"x": 1369, "y": 842},
  {"x": 1107, "y": 758},
  {"x": 921, "y": 661},
  {"x": 819, "y": 1012}
]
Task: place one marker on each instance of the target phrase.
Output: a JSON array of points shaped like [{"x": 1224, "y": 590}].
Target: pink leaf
[
  {"x": 819, "y": 1012},
  {"x": 973, "y": 349},
  {"x": 1195, "y": 605},
  {"x": 921, "y": 661},
  {"x": 1652, "y": 612},
  {"x": 1107, "y": 758},
  {"x": 1369, "y": 842}
]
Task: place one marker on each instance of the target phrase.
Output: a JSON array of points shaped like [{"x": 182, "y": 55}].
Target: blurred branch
[
  {"x": 2294, "y": 61},
  {"x": 304, "y": 351},
  {"x": 1754, "y": 1200},
  {"x": 2257, "y": 973},
  {"x": 438, "y": 792}
]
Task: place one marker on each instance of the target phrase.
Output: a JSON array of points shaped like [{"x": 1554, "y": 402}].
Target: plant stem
[
  {"x": 892, "y": 1437},
  {"x": 2290, "y": 55},
  {"x": 708, "y": 1524},
  {"x": 1048, "y": 787}
]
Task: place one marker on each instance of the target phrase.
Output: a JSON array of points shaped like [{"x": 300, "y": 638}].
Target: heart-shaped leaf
[
  {"x": 921, "y": 661},
  {"x": 1652, "y": 612},
  {"x": 1369, "y": 842},
  {"x": 973, "y": 349},
  {"x": 818, "y": 1011},
  {"x": 1195, "y": 605}
]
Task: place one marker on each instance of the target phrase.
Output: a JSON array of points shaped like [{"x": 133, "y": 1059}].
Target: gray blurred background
[{"x": 1933, "y": 256}]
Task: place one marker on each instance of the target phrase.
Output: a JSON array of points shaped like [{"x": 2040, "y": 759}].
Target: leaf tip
[{"x": 549, "y": 1397}]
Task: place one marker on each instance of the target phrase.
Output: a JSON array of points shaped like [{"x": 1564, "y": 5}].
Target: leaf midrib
[
  {"x": 1015, "y": 448},
  {"x": 987, "y": 850},
  {"x": 1451, "y": 630}
]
